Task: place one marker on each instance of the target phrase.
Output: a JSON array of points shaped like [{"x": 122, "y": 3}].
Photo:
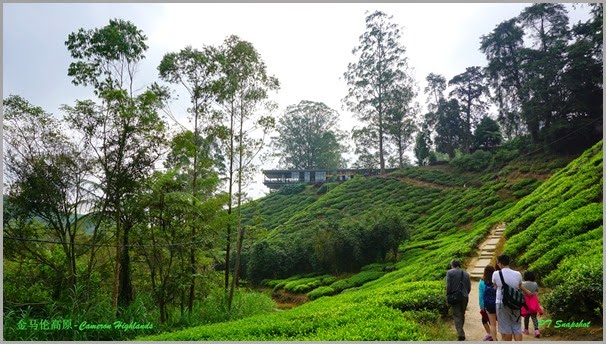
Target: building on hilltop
[{"x": 275, "y": 179}]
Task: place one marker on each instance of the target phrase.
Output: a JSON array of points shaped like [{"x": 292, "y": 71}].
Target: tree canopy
[{"x": 309, "y": 138}]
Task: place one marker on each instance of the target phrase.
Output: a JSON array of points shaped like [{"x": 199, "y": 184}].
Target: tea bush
[
  {"x": 407, "y": 304},
  {"x": 557, "y": 231},
  {"x": 320, "y": 291},
  {"x": 578, "y": 288},
  {"x": 356, "y": 280}
]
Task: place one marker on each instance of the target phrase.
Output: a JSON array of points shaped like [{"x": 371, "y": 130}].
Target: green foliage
[
  {"x": 356, "y": 280},
  {"x": 470, "y": 89},
  {"x": 292, "y": 189},
  {"x": 433, "y": 175},
  {"x": 408, "y": 303},
  {"x": 325, "y": 188},
  {"x": 477, "y": 162},
  {"x": 557, "y": 232},
  {"x": 320, "y": 291},
  {"x": 309, "y": 137},
  {"x": 304, "y": 285},
  {"x": 578, "y": 286},
  {"x": 380, "y": 91},
  {"x": 487, "y": 135}
]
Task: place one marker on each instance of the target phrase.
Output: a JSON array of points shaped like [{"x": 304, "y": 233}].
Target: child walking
[{"x": 532, "y": 303}]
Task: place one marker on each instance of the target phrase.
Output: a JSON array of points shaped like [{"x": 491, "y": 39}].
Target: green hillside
[{"x": 554, "y": 225}]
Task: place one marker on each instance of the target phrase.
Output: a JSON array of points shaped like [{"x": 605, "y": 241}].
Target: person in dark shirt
[{"x": 453, "y": 280}]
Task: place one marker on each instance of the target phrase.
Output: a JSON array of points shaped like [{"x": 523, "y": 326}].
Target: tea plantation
[{"x": 318, "y": 244}]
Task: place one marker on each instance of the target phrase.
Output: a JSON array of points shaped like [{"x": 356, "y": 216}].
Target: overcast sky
[{"x": 306, "y": 46}]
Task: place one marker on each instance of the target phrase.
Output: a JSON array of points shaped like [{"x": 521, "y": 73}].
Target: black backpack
[
  {"x": 456, "y": 296},
  {"x": 512, "y": 297}
]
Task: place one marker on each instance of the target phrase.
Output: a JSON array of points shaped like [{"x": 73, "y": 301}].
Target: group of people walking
[{"x": 496, "y": 312}]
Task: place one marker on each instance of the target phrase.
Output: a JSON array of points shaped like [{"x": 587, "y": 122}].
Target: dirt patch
[{"x": 285, "y": 300}]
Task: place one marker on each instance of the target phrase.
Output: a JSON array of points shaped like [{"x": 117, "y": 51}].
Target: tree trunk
[
  {"x": 239, "y": 217},
  {"x": 163, "y": 317},
  {"x": 192, "y": 254},
  {"x": 74, "y": 273},
  {"x": 125, "y": 295},
  {"x": 116, "y": 268},
  {"x": 230, "y": 193},
  {"x": 381, "y": 152},
  {"x": 238, "y": 256}
]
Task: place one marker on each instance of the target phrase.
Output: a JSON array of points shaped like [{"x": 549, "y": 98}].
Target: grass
[{"x": 554, "y": 226}]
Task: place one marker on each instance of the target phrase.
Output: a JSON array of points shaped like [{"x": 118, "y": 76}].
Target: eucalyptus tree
[
  {"x": 364, "y": 140},
  {"x": 124, "y": 132},
  {"x": 381, "y": 70},
  {"x": 45, "y": 176},
  {"x": 309, "y": 137},
  {"x": 470, "y": 90},
  {"x": 244, "y": 89},
  {"x": 197, "y": 71},
  {"x": 400, "y": 119},
  {"x": 436, "y": 85}
]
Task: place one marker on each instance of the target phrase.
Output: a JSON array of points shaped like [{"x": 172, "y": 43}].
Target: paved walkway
[
  {"x": 474, "y": 331},
  {"x": 486, "y": 252}
]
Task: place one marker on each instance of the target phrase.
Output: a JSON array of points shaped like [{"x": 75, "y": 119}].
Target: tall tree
[
  {"x": 450, "y": 128},
  {"x": 436, "y": 85},
  {"x": 244, "y": 89},
  {"x": 400, "y": 122},
  {"x": 547, "y": 24},
  {"x": 364, "y": 139},
  {"x": 381, "y": 70},
  {"x": 197, "y": 72},
  {"x": 422, "y": 145},
  {"x": 469, "y": 90},
  {"x": 308, "y": 137},
  {"x": 125, "y": 133},
  {"x": 503, "y": 48},
  {"x": 582, "y": 81}
]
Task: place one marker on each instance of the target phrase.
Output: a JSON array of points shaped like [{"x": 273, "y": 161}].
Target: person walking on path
[
  {"x": 487, "y": 297},
  {"x": 532, "y": 301},
  {"x": 509, "y": 319},
  {"x": 458, "y": 281}
]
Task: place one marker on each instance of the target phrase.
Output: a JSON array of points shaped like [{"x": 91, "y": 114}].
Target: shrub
[
  {"x": 578, "y": 286},
  {"x": 320, "y": 291},
  {"x": 292, "y": 189},
  {"x": 525, "y": 183},
  {"x": 356, "y": 280},
  {"x": 476, "y": 162}
]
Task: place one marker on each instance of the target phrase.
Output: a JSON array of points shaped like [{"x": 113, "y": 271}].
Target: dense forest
[{"x": 114, "y": 213}]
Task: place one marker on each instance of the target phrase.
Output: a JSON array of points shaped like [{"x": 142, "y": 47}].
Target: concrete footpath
[{"x": 474, "y": 331}]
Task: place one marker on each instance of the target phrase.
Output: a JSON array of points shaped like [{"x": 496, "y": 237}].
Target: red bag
[
  {"x": 532, "y": 302},
  {"x": 484, "y": 315}
]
